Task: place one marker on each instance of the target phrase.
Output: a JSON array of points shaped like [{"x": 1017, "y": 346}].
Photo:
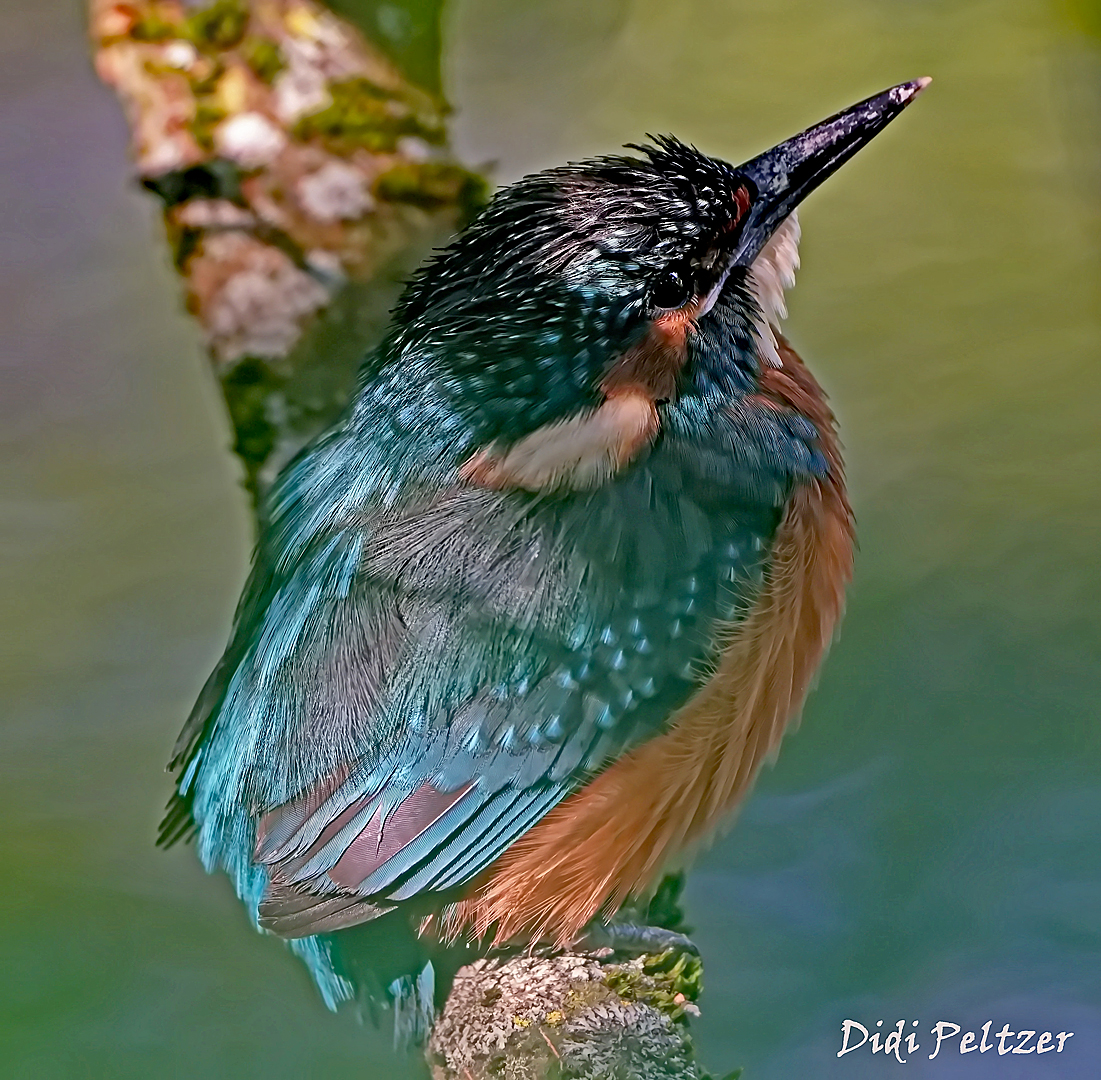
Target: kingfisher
[{"x": 523, "y": 626}]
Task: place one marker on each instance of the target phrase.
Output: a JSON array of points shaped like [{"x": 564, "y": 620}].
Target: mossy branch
[{"x": 303, "y": 177}]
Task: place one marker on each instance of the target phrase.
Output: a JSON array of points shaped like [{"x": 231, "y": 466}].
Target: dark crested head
[
  {"x": 608, "y": 223},
  {"x": 567, "y": 271}
]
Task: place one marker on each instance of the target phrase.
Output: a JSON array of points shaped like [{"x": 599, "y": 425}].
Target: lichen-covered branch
[
  {"x": 570, "y": 1015},
  {"x": 302, "y": 176},
  {"x": 584, "y": 1015}
]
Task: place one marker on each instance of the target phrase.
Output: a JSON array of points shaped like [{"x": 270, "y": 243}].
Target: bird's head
[{"x": 597, "y": 292}]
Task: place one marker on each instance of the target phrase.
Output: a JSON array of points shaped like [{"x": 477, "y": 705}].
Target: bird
[{"x": 523, "y": 626}]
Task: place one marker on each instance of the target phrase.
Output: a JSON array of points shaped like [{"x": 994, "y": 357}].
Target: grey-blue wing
[{"x": 528, "y": 642}]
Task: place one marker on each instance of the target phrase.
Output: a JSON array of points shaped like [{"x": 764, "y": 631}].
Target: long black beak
[{"x": 785, "y": 175}]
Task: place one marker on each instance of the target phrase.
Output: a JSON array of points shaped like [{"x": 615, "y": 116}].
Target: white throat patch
[{"x": 772, "y": 272}]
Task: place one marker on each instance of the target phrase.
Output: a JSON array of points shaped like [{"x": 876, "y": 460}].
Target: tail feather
[{"x": 291, "y": 912}]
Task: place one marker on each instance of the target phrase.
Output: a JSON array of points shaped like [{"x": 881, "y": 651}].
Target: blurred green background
[{"x": 927, "y": 846}]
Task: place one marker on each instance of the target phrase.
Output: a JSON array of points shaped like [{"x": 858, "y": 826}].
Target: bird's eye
[{"x": 671, "y": 289}]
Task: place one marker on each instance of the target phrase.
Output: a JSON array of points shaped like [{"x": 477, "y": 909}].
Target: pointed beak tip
[
  {"x": 911, "y": 90},
  {"x": 791, "y": 170}
]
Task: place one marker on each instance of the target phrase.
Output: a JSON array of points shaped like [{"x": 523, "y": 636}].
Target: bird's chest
[{"x": 664, "y": 570}]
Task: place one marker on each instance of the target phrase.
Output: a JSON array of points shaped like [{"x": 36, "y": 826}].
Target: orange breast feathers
[{"x": 613, "y": 837}]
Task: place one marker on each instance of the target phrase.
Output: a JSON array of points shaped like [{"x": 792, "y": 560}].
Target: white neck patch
[{"x": 773, "y": 272}]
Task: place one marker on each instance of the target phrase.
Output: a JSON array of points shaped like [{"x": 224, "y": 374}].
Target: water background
[{"x": 927, "y": 846}]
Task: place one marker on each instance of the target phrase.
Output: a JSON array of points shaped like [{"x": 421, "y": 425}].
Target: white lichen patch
[
  {"x": 335, "y": 192},
  {"x": 213, "y": 214},
  {"x": 250, "y": 139},
  {"x": 251, "y": 298},
  {"x": 302, "y": 87},
  {"x": 316, "y": 50},
  {"x": 180, "y": 54},
  {"x": 414, "y": 148}
]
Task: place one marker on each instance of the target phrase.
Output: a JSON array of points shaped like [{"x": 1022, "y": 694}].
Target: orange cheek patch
[
  {"x": 582, "y": 452},
  {"x": 654, "y": 363},
  {"x": 579, "y": 453}
]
